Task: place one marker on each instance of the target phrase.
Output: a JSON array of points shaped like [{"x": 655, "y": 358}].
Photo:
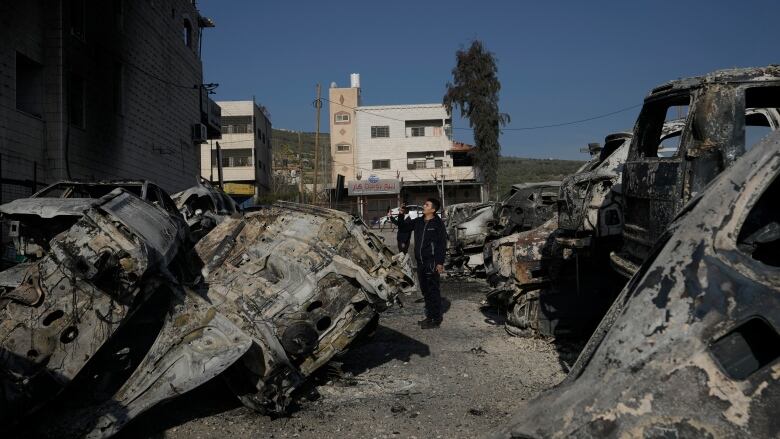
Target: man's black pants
[{"x": 429, "y": 285}]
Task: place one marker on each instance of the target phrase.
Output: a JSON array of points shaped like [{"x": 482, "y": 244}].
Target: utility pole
[
  {"x": 318, "y": 106},
  {"x": 300, "y": 170},
  {"x": 219, "y": 167}
]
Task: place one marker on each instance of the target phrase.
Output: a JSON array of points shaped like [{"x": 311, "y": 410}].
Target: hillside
[
  {"x": 290, "y": 138},
  {"x": 512, "y": 170}
]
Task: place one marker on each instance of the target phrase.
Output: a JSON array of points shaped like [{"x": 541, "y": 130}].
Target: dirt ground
[{"x": 461, "y": 380}]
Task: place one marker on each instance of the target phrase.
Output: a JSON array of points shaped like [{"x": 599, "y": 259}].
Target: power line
[
  {"x": 526, "y": 128},
  {"x": 208, "y": 87},
  {"x": 538, "y": 127}
]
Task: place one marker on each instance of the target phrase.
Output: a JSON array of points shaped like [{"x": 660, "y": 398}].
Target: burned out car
[
  {"x": 204, "y": 206},
  {"x": 690, "y": 347},
  {"x": 34, "y": 221},
  {"x": 455, "y": 214},
  {"x": 474, "y": 230},
  {"x": 525, "y": 206},
  {"x": 101, "y": 329},
  {"x": 727, "y": 112}
]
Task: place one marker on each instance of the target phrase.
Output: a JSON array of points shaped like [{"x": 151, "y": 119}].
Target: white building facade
[
  {"x": 406, "y": 147},
  {"x": 245, "y": 149}
]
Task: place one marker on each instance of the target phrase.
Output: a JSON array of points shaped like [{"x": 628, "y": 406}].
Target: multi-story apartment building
[
  {"x": 101, "y": 90},
  {"x": 245, "y": 148},
  {"x": 392, "y": 153}
]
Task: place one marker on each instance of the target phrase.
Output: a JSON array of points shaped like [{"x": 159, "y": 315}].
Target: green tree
[{"x": 474, "y": 90}]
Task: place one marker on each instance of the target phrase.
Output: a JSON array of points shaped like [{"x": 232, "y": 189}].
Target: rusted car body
[
  {"x": 525, "y": 206},
  {"x": 690, "y": 347},
  {"x": 102, "y": 328},
  {"x": 204, "y": 206},
  {"x": 725, "y": 110}
]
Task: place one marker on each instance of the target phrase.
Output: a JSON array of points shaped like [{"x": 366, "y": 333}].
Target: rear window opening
[
  {"x": 760, "y": 234},
  {"x": 761, "y": 114}
]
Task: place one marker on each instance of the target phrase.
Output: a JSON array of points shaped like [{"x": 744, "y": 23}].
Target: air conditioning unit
[{"x": 199, "y": 133}]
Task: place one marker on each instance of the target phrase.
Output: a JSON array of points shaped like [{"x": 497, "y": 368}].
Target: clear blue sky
[{"x": 558, "y": 60}]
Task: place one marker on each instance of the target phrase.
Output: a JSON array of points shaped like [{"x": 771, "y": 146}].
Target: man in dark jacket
[
  {"x": 402, "y": 236},
  {"x": 430, "y": 242}
]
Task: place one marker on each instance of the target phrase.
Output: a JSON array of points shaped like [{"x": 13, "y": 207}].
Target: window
[
  {"x": 76, "y": 100},
  {"x": 77, "y": 11},
  {"x": 341, "y": 117},
  {"x": 29, "y": 85},
  {"x": 380, "y": 164},
  {"x": 236, "y": 124},
  {"x": 759, "y": 236},
  {"x": 118, "y": 92},
  {"x": 653, "y": 117},
  {"x": 418, "y": 131},
  {"x": 187, "y": 33},
  {"x": 438, "y": 163},
  {"x": 343, "y": 147},
  {"x": 380, "y": 131},
  {"x": 761, "y": 114},
  {"x": 234, "y": 158}
]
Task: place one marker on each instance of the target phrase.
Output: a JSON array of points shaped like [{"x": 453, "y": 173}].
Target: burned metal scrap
[
  {"x": 690, "y": 347},
  {"x": 110, "y": 323}
]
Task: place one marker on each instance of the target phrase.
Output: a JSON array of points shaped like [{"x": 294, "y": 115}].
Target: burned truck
[
  {"x": 727, "y": 112},
  {"x": 685, "y": 156},
  {"x": 691, "y": 346},
  {"x": 113, "y": 321}
]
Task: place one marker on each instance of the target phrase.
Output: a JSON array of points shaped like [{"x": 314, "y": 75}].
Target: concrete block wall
[{"x": 148, "y": 136}]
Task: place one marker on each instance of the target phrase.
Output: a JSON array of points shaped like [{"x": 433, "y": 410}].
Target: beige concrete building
[
  {"x": 342, "y": 104},
  {"x": 101, "y": 90},
  {"x": 397, "y": 153},
  {"x": 245, "y": 147}
]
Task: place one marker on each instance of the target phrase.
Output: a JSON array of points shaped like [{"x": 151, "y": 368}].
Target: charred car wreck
[
  {"x": 204, "y": 206},
  {"x": 690, "y": 347},
  {"x": 668, "y": 161},
  {"x": 114, "y": 320},
  {"x": 525, "y": 206}
]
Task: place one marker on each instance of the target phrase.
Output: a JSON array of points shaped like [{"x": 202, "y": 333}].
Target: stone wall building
[{"x": 102, "y": 90}]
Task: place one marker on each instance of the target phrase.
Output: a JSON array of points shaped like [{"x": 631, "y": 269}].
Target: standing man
[
  {"x": 402, "y": 236},
  {"x": 430, "y": 241}
]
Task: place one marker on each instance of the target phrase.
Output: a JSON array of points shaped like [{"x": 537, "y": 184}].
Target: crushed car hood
[{"x": 48, "y": 207}]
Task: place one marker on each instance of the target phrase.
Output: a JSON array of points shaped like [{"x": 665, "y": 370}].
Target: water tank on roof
[{"x": 354, "y": 80}]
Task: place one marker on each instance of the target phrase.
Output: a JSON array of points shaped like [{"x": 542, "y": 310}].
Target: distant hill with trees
[{"x": 513, "y": 170}]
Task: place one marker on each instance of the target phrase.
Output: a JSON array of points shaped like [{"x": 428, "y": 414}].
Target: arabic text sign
[{"x": 365, "y": 187}]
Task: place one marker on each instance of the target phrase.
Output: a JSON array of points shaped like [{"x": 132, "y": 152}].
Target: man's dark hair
[{"x": 435, "y": 203}]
